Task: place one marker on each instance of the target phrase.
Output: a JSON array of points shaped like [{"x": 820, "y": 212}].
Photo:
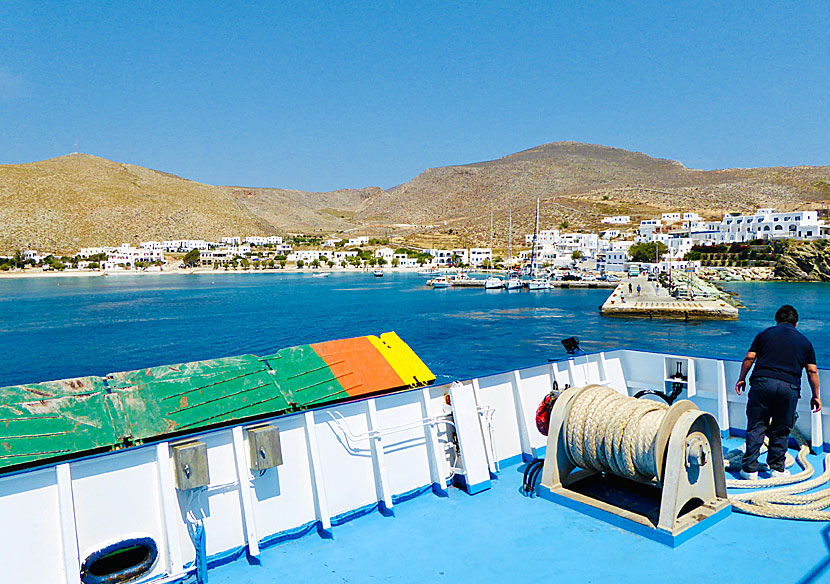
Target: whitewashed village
[{"x": 672, "y": 241}]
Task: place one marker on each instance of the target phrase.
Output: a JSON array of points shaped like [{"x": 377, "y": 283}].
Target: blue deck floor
[{"x": 500, "y": 536}]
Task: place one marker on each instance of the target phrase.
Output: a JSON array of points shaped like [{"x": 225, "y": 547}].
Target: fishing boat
[
  {"x": 321, "y": 275},
  {"x": 493, "y": 283},
  {"x": 377, "y": 272},
  {"x": 248, "y": 465}
]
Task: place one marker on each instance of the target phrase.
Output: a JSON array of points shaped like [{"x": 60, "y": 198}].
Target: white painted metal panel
[
  {"x": 406, "y": 456},
  {"x": 283, "y": 497},
  {"x": 224, "y": 529},
  {"x": 31, "y": 536},
  {"x": 117, "y": 496},
  {"x": 496, "y": 391},
  {"x": 470, "y": 438},
  {"x": 347, "y": 463},
  {"x": 536, "y": 384}
]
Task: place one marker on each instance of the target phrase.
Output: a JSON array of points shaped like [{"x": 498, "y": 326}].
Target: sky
[{"x": 324, "y": 95}]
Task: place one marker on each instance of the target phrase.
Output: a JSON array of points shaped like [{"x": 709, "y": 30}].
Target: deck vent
[
  {"x": 191, "y": 464},
  {"x": 264, "y": 441}
]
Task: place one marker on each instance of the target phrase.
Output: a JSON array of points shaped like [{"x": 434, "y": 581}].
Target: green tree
[
  {"x": 563, "y": 225},
  {"x": 93, "y": 265},
  {"x": 395, "y": 262},
  {"x": 191, "y": 258},
  {"x": 315, "y": 264},
  {"x": 343, "y": 263},
  {"x": 300, "y": 263},
  {"x": 282, "y": 263},
  {"x": 330, "y": 263},
  {"x": 647, "y": 252},
  {"x": 486, "y": 264},
  {"x": 577, "y": 255}
]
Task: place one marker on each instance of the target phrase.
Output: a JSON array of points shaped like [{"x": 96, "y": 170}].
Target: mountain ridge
[{"x": 77, "y": 200}]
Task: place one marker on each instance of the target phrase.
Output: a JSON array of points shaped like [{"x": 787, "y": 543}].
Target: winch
[{"x": 639, "y": 464}]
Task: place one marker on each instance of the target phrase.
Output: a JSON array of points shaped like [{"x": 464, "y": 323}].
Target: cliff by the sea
[{"x": 803, "y": 261}]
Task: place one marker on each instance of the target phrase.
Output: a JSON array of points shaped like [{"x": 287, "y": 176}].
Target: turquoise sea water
[{"x": 64, "y": 327}]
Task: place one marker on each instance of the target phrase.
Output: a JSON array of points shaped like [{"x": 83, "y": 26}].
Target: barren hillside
[
  {"x": 77, "y": 200},
  {"x": 578, "y": 184}
]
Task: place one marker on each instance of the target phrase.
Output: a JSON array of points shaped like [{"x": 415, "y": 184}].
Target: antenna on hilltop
[{"x": 75, "y": 146}]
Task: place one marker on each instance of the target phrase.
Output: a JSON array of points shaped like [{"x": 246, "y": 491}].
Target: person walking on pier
[
  {"x": 779, "y": 354},
  {"x": 638, "y": 289}
]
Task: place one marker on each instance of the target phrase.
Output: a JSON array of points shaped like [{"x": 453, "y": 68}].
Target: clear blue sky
[{"x": 317, "y": 96}]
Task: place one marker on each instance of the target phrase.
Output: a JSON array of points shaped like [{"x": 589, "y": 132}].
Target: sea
[{"x": 56, "y": 328}]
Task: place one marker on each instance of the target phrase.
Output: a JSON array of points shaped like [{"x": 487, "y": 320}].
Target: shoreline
[{"x": 14, "y": 275}]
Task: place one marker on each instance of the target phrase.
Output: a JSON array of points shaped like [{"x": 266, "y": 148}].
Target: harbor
[{"x": 642, "y": 298}]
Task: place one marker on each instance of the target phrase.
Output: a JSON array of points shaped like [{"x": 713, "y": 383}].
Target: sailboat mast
[
  {"x": 533, "y": 247},
  {"x": 510, "y": 237}
]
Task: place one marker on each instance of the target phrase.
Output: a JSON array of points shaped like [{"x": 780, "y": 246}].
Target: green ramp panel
[
  {"x": 305, "y": 377},
  {"x": 55, "y": 419},
  {"x": 174, "y": 398}
]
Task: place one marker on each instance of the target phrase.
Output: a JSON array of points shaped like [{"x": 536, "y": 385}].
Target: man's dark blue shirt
[{"x": 781, "y": 353}]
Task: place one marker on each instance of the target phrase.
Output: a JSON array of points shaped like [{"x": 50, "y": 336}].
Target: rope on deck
[{"x": 784, "y": 502}]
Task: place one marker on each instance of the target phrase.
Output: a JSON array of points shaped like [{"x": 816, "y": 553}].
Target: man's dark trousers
[{"x": 771, "y": 411}]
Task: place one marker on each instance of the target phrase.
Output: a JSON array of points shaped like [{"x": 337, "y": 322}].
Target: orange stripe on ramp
[{"x": 359, "y": 366}]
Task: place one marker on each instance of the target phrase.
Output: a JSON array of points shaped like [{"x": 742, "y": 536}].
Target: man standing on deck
[{"x": 779, "y": 353}]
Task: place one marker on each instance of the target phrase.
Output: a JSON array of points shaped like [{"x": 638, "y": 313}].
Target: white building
[
  {"x": 128, "y": 256},
  {"x": 231, "y": 240},
  {"x": 769, "y": 224},
  {"x": 544, "y": 237},
  {"x": 386, "y": 253},
  {"x": 342, "y": 255},
  {"x": 331, "y": 242},
  {"x": 359, "y": 240},
  {"x": 478, "y": 255},
  {"x": 617, "y": 219},
  {"x": 306, "y": 255},
  {"x": 263, "y": 240}
]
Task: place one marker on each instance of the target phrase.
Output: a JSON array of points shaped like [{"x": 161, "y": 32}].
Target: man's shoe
[
  {"x": 749, "y": 476},
  {"x": 780, "y": 473}
]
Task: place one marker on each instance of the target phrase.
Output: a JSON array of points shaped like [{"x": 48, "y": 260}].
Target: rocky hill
[
  {"x": 578, "y": 184},
  {"x": 807, "y": 261},
  {"x": 77, "y": 200}
]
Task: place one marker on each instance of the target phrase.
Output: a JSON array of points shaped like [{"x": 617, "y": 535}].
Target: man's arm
[
  {"x": 745, "y": 367},
  {"x": 812, "y": 377}
]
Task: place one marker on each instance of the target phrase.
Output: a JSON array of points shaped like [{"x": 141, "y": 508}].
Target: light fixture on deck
[{"x": 571, "y": 345}]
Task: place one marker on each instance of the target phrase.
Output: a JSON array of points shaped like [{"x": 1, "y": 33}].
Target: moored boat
[
  {"x": 514, "y": 283},
  {"x": 538, "y": 284},
  {"x": 377, "y": 272},
  {"x": 440, "y": 282},
  {"x": 493, "y": 283}
]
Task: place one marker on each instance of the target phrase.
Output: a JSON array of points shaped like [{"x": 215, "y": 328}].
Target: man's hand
[
  {"x": 815, "y": 404},
  {"x": 739, "y": 387}
]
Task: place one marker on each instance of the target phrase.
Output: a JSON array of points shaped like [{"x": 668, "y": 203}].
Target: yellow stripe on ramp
[{"x": 403, "y": 360}]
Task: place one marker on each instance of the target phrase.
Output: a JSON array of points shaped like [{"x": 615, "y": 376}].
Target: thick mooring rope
[
  {"x": 784, "y": 503},
  {"x": 609, "y": 432}
]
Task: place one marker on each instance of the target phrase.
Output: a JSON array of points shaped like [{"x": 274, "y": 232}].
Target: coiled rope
[
  {"x": 609, "y": 432},
  {"x": 606, "y": 431}
]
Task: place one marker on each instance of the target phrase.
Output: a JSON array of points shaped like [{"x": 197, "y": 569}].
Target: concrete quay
[{"x": 654, "y": 301}]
